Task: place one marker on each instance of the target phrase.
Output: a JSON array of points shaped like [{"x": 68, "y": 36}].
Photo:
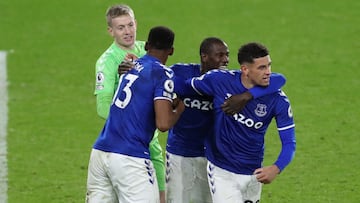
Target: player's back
[{"x": 131, "y": 123}]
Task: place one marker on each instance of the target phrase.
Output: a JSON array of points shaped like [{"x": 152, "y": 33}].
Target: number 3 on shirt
[{"x": 131, "y": 79}]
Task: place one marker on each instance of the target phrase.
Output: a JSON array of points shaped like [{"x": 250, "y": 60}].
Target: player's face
[
  {"x": 123, "y": 30},
  {"x": 259, "y": 72},
  {"x": 218, "y": 57}
]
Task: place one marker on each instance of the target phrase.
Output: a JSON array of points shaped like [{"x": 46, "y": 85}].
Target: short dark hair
[
  {"x": 161, "y": 37},
  {"x": 250, "y": 51},
  {"x": 207, "y": 44}
]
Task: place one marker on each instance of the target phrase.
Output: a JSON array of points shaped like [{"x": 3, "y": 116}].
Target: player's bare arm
[
  {"x": 167, "y": 113},
  {"x": 236, "y": 103}
]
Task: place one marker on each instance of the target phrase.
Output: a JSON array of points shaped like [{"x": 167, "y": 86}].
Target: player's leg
[
  {"x": 250, "y": 187},
  {"x": 177, "y": 178},
  {"x": 223, "y": 185},
  {"x": 156, "y": 156},
  {"x": 99, "y": 187},
  {"x": 200, "y": 191},
  {"x": 134, "y": 179}
]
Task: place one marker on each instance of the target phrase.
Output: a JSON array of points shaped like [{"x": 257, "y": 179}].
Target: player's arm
[
  {"x": 183, "y": 87},
  {"x": 277, "y": 80},
  {"x": 268, "y": 173},
  {"x": 202, "y": 85},
  {"x": 237, "y": 102},
  {"x": 103, "y": 102},
  {"x": 105, "y": 86},
  {"x": 287, "y": 153},
  {"x": 286, "y": 128},
  {"x": 127, "y": 64},
  {"x": 167, "y": 108},
  {"x": 167, "y": 113}
]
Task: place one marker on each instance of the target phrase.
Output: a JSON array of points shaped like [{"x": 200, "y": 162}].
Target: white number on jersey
[{"x": 131, "y": 79}]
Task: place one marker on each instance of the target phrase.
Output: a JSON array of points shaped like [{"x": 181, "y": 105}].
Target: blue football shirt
[
  {"x": 131, "y": 122},
  {"x": 186, "y": 138},
  {"x": 238, "y": 142}
]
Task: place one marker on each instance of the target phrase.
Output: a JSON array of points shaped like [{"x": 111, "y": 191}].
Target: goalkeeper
[{"x": 122, "y": 27}]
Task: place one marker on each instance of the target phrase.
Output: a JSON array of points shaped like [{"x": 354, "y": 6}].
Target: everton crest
[{"x": 260, "y": 110}]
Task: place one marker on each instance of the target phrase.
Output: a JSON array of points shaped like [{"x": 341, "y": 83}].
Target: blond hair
[{"x": 116, "y": 11}]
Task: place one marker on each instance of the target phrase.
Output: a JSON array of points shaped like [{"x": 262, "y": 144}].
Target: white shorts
[
  {"x": 119, "y": 178},
  {"x": 227, "y": 187},
  {"x": 186, "y": 179}
]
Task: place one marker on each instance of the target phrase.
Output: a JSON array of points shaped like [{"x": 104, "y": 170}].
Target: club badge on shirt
[{"x": 260, "y": 110}]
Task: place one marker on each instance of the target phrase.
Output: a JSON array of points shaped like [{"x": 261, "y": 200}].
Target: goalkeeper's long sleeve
[{"x": 103, "y": 102}]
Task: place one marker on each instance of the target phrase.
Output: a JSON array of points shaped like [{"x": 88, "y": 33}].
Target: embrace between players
[{"x": 216, "y": 120}]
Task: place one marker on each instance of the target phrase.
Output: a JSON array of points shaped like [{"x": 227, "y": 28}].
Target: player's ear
[
  {"x": 171, "y": 51},
  {"x": 110, "y": 31},
  {"x": 203, "y": 57},
  {"x": 135, "y": 24},
  {"x": 244, "y": 68},
  {"x": 146, "y": 46}
]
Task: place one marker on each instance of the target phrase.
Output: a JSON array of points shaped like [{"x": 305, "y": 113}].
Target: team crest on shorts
[{"x": 260, "y": 110}]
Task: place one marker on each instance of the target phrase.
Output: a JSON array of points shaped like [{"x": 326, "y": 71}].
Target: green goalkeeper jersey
[
  {"x": 107, "y": 80},
  {"x": 107, "y": 77}
]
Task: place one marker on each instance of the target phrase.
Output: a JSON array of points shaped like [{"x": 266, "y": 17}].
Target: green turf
[{"x": 52, "y": 119}]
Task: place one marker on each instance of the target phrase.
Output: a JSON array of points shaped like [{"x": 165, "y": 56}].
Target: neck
[
  {"x": 245, "y": 81},
  {"x": 159, "y": 54}
]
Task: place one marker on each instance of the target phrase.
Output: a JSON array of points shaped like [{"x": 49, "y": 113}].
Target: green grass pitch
[{"x": 52, "y": 122}]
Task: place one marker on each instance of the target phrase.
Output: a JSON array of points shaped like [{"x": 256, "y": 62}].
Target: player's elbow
[{"x": 163, "y": 126}]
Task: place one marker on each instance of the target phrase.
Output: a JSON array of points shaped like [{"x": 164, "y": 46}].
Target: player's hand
[
  {"x": 175, "y": 102},
  {"x": 125, "y": 66},
  {"x": 267, "y": 174},
  {"x": 236, "y": 103},
  {"x": 178, "y": 105},
  {"x": 130, "y": 57}
]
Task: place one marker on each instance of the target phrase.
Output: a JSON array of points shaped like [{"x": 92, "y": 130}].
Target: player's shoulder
[
  {"x": 159, "y": 68},
  {"x": 281, "y": 96},
  {"x": 111, "y": 54},
  {"x": 107, "y": 53},
  {"x": 186, "y": 69},
  {"x": 185, "y": 66},
  {"x": 140, "y": 45},
  {"x": 107, "y": 61},
  {"x": 223, "y": 73}
]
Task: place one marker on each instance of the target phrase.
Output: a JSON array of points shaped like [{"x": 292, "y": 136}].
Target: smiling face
[
  {"x": 217, "y": 57},
  {"x": 256, "y": 73},
  {"x": 123, "y": 30}
]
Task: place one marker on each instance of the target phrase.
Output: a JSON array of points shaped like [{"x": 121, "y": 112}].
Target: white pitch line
[{"x": 3, "y": 127}]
